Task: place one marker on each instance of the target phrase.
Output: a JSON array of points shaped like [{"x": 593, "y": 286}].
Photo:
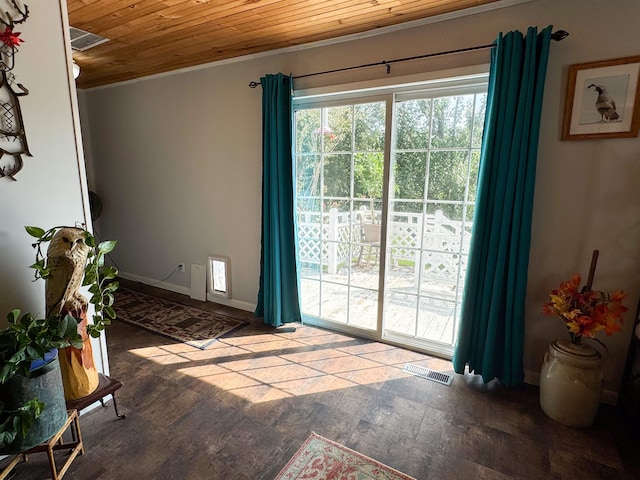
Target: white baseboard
[
  {"x": 239, "y": 304},
  {"x": 172, "y": 287},
  {"x": 609, "y": 397}
]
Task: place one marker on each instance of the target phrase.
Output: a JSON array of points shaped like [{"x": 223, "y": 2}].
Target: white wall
[
  {"x": 177, "y": 159},
  {"x": 49, "y": 190}
]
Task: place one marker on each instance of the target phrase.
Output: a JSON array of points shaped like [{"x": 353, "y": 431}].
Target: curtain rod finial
[
  {"x": 254, "y": 84},
  {"x": 559, "y": 35}
]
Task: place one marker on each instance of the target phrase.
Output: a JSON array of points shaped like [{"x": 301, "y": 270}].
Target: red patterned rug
[{"x": 322, "y": 459}]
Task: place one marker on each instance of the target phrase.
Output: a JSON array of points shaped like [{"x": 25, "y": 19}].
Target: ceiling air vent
[{"x": 81, "y": 40}]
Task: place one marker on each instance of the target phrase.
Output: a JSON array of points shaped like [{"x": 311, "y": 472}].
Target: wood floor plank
[{"x": 238, "y": 414}]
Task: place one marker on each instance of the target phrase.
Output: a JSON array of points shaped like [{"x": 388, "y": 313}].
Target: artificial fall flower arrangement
[{"x": 585, "y": 312}]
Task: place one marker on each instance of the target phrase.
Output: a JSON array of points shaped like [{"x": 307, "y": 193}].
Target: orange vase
[{"x": 79, "y": 373}]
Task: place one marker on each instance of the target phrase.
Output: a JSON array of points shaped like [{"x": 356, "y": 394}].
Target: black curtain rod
[{"x": 557, "y": 36}]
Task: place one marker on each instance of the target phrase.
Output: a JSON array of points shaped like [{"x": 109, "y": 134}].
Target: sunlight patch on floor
[{"x": 231, "y": 364}]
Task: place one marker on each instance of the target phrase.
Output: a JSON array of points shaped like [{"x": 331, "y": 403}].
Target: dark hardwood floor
[{"x": 241, "y": 408}]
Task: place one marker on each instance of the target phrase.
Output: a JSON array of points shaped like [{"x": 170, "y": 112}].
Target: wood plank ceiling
[{"x": 147, "y": 37}]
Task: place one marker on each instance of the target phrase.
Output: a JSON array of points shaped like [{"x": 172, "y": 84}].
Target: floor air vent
[{"x": 427, "y": 373}]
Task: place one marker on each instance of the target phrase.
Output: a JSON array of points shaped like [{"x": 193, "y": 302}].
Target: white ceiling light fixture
[{"x": 76, "y": 70}]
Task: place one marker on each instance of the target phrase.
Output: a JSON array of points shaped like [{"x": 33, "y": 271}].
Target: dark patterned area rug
[{"x": 193, "y": 326}]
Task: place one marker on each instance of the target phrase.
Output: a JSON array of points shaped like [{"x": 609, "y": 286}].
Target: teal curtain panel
[
  {"x": 278, "y": 294},
  {"x": 491, "y": 333}
]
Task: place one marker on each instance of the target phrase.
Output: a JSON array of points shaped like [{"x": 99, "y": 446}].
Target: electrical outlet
[{"x": 181, "y": 267}]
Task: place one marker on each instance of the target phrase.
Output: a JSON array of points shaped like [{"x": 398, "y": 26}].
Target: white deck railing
[{"x": 439, "y": 245}]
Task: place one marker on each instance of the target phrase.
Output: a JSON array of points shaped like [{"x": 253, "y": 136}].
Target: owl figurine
[{"x": 67, "y": 257}]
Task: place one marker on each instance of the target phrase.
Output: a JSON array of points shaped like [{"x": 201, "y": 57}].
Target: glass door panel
[
  {"x": 340, "y": 165},
  {"x": 432, "y": 192}
]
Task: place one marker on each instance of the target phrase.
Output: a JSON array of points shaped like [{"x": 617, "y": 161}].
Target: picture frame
[{"x": 603, "y": 100}]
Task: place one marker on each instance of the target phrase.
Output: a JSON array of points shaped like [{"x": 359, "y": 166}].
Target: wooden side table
[
  {"x": 106, "y": 386},
  {"x": 56, "y": 442}
]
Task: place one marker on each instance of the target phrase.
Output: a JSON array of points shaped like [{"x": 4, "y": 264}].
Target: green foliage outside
[{"x": 340, "y": 157}]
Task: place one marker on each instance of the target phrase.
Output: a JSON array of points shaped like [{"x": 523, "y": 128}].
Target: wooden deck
[{"x": 351, "y": 297}]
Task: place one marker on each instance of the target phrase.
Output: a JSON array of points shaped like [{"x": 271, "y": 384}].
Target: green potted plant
[
  {"x": 74, "y": 258},
  {"x": 32, "y": 404}
]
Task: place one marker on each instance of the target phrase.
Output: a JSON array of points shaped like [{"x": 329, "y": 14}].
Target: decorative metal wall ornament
[{"x": 13, "y": 139}]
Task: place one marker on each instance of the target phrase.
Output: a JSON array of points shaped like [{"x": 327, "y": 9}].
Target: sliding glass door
[{"x": 385, "y": 195}]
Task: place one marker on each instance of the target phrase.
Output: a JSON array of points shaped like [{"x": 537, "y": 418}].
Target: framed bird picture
[{"x": 603, "y": 100}]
